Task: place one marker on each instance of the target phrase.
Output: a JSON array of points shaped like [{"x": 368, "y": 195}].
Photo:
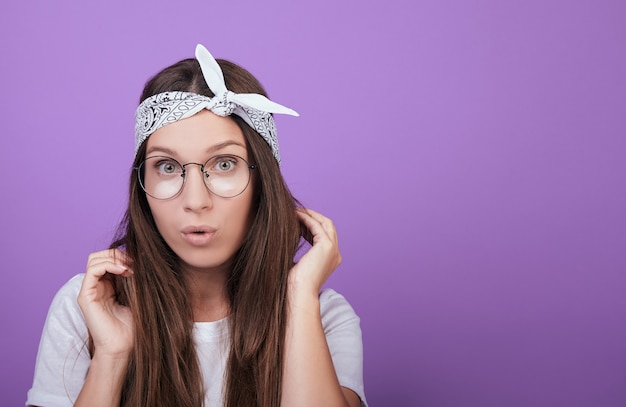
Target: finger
[
  {"x": 117, "y": 255},
  {"x": 326, "y": 223},
  {"x": 311, "y": 224},
  {"x": 101, "y": 269},
  {"x": 112, "y": 264},
  {"x": 320, "y": 235},
  {"x": 99, "y": 260},
  {"x": 96, "y": 287},
  {"x": 96, "y": 273},
  {"x": 305, "y": 231}
]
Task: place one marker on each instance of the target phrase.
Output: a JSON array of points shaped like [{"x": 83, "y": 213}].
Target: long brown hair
[{"x": 163, "y": 369}]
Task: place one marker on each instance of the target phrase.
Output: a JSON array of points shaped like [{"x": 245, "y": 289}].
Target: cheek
[
  {"x": 240, "y": 216},
  {"x": 160, "y": 215}
]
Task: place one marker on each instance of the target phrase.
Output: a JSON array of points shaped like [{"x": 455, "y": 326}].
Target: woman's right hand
[{"x": 110, "y": 324}]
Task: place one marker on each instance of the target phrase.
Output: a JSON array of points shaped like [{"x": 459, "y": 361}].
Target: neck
[{"x": 207, "y": 294}]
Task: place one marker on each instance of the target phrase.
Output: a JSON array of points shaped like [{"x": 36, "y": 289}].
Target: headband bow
[{"x": 169, "y": 107}]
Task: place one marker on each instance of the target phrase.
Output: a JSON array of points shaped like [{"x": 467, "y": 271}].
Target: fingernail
[{"x": 123, "y": 267}]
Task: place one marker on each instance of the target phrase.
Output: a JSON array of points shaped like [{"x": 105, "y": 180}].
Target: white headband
[{"x": 169, "y": 107}]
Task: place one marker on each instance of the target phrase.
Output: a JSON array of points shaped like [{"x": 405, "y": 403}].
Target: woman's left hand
[
  {"x": 316, "y": 265},
  {"x": 309, "y": 377}
]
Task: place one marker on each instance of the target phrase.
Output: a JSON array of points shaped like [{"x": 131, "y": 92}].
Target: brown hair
[{"x": 164, "y": 369}]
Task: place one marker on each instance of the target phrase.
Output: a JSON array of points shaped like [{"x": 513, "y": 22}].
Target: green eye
[
  {"x": 165, "y": 167},
  {"x": 225, "y": 165},
  {"x": 222, "y": 164}
]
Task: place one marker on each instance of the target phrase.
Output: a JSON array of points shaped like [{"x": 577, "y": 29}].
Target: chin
[{"x": 207, "y": 264}]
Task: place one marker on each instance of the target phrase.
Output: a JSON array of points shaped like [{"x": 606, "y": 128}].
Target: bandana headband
[{"x": 169, "y": 107}]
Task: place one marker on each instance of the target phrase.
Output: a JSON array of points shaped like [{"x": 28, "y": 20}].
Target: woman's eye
[
  {"x": 224, "y": 164},
  {"x": 166, "y": 167}
]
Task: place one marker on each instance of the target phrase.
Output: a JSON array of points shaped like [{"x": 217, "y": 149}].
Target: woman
[{"x": 199, "y": 301}]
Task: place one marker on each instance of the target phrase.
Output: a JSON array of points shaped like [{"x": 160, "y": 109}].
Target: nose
[{"x": 195, "y": 194}]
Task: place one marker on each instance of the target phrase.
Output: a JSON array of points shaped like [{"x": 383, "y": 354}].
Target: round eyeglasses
[{"x": 224, "y": 175}]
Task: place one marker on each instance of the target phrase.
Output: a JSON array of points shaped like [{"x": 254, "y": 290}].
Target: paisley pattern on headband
[
  {"x": 264, "y": 124},
  {"x": 168, "y": 107},
  {"x": 159, "y": 110}
]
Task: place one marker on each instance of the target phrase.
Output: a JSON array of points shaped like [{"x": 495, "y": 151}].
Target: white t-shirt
[{"x": 63, "y": 358}]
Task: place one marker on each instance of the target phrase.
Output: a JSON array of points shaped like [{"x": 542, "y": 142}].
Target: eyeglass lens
[{"x": 224, "y": 175}]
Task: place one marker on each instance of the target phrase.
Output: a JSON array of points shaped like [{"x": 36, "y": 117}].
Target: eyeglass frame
[{"x": 184, "y": 172}]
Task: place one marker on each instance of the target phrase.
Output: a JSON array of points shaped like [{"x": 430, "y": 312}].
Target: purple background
[{"x": 471, "y": 153}]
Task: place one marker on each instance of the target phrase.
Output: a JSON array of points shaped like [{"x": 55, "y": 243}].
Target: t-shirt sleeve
[
  {"x": 343, "y": 335},
  {"x": 63, "y": 357}
]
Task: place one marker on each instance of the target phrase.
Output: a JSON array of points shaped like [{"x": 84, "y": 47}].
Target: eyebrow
[{"x": 209, "y": 150}]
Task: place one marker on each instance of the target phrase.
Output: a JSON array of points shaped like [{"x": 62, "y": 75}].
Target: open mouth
[{"x": 198, "y": 235}]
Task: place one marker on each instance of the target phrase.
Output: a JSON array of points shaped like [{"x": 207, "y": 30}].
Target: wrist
[
  {"x": 111, "y": 359},
  {"x": 104, "y": 381},
  {"x": 303, "y": 298},
  {"x": 298, "y": 288}
]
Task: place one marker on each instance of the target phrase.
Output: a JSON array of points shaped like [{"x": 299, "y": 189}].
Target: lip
[{"x": 198, "y": 235}]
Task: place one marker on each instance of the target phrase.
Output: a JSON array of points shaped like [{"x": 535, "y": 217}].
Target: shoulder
[
  {"x": 68, "y": 294},
  {"x": 63, "y": 358},
  {"x": 64, "y": 308},
  {"x": 70, "y": 289},
  {"x": 336, "y": 310},
  {"x": 342, "y": 328}
]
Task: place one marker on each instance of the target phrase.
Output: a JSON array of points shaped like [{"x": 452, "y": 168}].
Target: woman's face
[{"x": 202, "y": 228}]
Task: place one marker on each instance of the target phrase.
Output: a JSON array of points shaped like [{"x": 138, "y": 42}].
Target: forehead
[{"x": 198, "y": 135}]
